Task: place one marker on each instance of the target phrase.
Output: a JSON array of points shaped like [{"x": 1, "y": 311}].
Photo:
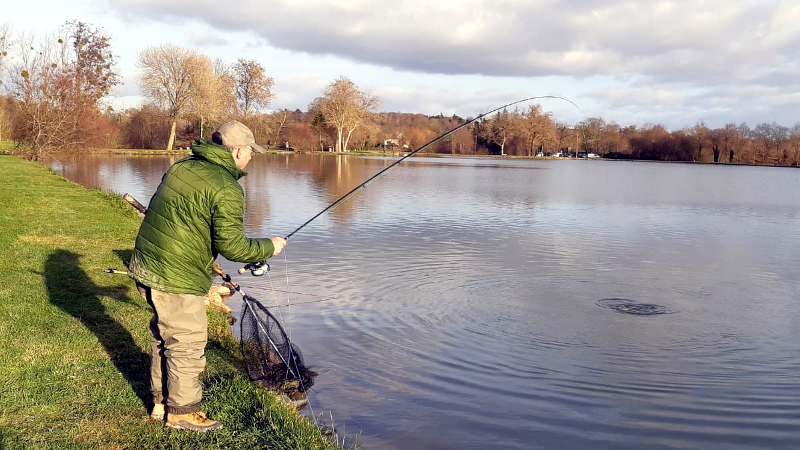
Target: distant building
[{"x": 391, "y": 143}]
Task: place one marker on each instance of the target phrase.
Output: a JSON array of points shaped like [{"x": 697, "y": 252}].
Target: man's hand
[{"x": 279, "y": 243}]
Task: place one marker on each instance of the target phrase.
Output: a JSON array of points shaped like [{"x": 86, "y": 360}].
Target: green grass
[
  {"x": 74, "y": 340},
  {"x": 7, "y": 147}
]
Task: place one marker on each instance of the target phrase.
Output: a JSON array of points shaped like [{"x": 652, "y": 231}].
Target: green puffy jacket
[{"x": 195, "y": 214}]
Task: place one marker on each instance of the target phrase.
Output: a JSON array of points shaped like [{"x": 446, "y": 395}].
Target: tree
[
  {"x": 534, "y": 124},
  {"x": 780, "y": 134},
  {"x": 794, "y": 141},
  {"x": 213, "y": 96},
  {"x": 700, "y": 134},
  {"x": 58, "y": 84},
  {"x": 345, "y": 108},
  {"x": 93, "y": 65},
  {"x": 501, "y": 128},
  {"x": 717, "y": 137},
  {"x": 170, "y": 76},
  {"x": 5, "y": 44},
  {"x": 731, "y": 141},
  {"x": 763, "y": 134},
  {"x": 562, "y": 129},
  {"x": 146, "y": 127},
  {"x": 461, "y": 141},
  {"x": 589, "y": 131},
  {"x": 319, "y": 126},
  {"x": 253, "y": 87},
  {"x": 277, "y": 122}
]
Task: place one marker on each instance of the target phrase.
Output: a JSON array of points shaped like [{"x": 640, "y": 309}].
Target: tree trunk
[
  {"x": 339, "y": 140},
  {"x": 172, "y": 134},
  {"x": 347, "y": 140}
]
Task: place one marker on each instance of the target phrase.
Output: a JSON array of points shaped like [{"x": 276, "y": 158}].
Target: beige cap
[{"x": 235, "y": 133}]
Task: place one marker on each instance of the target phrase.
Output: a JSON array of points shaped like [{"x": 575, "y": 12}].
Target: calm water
[{"x": 485, "y": 303}]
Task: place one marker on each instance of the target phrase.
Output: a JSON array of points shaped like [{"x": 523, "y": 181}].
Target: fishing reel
[{"x": 257, "y": 269}]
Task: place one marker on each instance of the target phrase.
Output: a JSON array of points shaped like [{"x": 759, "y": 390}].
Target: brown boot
[{"x": 196, "y": 421}]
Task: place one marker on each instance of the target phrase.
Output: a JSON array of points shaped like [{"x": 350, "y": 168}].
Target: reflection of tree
[
  {"x": 110, "y": 172},
  {"x": 336, "y": 175}
]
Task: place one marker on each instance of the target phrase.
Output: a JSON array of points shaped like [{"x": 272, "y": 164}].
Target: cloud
[
  {"x": 205, "y": 36},
  {"x": 644, "y": 61},
  {"x": 511, "y": 37}
]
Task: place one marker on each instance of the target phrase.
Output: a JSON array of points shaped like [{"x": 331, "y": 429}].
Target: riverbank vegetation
[
  {"x": 74, "y": 341},
  {"x": 54, "y": 89}
]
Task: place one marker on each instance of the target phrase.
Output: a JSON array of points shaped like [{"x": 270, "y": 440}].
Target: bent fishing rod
[{"x": 437, "y": 139}]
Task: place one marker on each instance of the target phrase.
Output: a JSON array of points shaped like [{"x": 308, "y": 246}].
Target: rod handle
[{"x": 133, "y": 202}]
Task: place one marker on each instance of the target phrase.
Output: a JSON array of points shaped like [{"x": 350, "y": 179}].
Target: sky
[{"x": 632, "y": 62}]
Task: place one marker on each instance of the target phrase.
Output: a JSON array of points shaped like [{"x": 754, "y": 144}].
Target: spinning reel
[{"x": 257, "y": 269}]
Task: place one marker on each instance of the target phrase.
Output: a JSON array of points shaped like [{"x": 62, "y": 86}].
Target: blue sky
[{"x": 628, "y": 61}]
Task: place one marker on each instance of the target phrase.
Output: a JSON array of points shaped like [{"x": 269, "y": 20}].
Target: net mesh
[{"x": 271, "y": 360}]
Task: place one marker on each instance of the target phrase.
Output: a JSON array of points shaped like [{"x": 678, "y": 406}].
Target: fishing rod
[{"x": 439, "y": 138}]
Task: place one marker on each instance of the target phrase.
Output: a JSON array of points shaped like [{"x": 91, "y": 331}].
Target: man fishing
[{"x": 196, "y": 213}]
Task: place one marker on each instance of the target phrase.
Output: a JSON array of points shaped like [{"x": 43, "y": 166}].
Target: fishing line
[{"x": 289, "y": 326}]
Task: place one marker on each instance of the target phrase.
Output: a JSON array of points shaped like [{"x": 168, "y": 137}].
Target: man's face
[{"x": 242, "y": 156}]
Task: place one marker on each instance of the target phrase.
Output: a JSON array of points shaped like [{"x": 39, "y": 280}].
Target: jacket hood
[{"x": 218, "y": 155}]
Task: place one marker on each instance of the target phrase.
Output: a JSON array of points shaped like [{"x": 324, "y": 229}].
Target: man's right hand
[{"x": 279, "y": 243}]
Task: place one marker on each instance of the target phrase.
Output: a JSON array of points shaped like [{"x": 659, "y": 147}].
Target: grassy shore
[{"x": 74, "y": 340}]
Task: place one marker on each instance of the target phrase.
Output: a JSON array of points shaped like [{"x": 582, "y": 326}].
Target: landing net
[{"x": 271, "y": 360}]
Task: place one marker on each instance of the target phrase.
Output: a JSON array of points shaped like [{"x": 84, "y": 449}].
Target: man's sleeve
[{"x": 227, "y": 229}]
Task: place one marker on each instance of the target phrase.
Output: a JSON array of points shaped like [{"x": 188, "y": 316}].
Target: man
[{"x": 196, "y": 214}]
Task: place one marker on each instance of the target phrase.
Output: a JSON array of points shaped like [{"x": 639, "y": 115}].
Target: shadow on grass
[{"x": 73, "y": 291}]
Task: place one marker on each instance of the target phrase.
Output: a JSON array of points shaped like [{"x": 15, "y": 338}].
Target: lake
[{"x": 521, "y": 304}]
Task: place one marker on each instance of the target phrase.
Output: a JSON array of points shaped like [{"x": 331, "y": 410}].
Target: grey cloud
[
  {"x": 504, "y": 38},
  {"x": 697, "y": 57}
]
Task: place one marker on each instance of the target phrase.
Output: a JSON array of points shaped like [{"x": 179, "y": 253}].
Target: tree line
[{"x": 56, "y": 89}]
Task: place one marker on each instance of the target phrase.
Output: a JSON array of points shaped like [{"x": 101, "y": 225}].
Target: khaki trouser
[{"x": 179, "y": 329}]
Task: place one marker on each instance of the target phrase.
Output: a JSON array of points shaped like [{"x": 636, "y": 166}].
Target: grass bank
[{"x": 74, "y": 340}]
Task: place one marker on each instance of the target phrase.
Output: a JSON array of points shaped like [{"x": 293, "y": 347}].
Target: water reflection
[{"x": 454, "y": 302}]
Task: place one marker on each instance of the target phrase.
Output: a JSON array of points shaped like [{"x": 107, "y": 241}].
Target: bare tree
[
  {"x": 57, "y": 84},
  {"x": 700, "y": 134},
  {"x": 562, "y": 129},
  {"x": 763, "y": 134},
  {"x": 345, "y": 108},
  {"x": 731, "y": 141},
  {"x": 590, "y": 133},
  {"x": 717, "y": 138},
  {"x": 794, "y": 142},
  {"x": 253, "y": 87},
  {"x": 93, "y": 62},
  {"x": 5, "y": 44},
  {"x": 534, "y": 124},
  {"x": 501, "y": 128},
  {"x": 170, "y": 76},
  {"x": 213, "y": 96},
  {"x": 278, "y": 121},
  {"x": 745, "y": 134}
]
